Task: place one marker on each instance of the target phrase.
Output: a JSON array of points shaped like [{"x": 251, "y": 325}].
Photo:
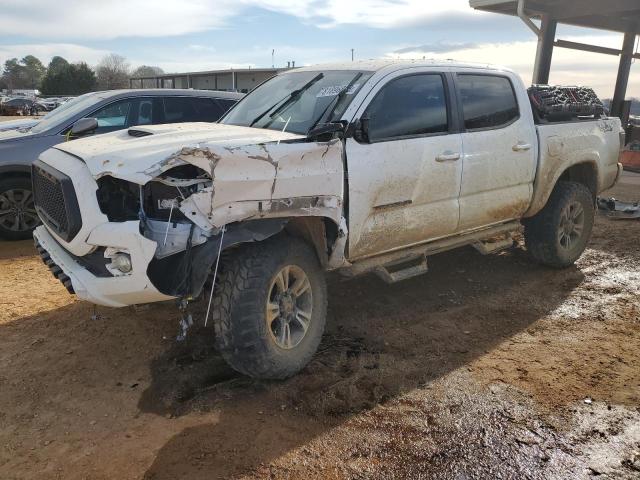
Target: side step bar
[
  {"x": 495, "y": 244},
  {"x": 389, "y": 265},
  {"x": 398, "y": 271}
]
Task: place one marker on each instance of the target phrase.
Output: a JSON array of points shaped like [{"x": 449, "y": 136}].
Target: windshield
[
  {"x": 66, "y": 111},
  {"x": 298, "y": 100}
]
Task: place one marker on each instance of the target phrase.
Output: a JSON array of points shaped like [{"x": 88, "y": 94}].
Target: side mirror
[
  {"x": 326, "y": 129},
  {"x": 84, "y": 126},
  {"x": 361, "y": 132}
]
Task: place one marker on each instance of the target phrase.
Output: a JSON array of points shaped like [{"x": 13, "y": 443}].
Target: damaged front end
[{"x": 182, "y": 197}]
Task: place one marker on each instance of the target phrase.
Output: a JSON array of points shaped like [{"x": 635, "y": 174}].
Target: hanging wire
[{"x": 215, "y": 275}]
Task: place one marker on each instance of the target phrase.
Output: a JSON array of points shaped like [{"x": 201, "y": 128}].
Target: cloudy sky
[{"x": 186, "y": 35}]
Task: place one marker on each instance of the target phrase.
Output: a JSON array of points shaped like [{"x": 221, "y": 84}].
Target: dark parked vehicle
[
  {"x": 112, "y": 110},
  {"x": 18, "y": 106}
]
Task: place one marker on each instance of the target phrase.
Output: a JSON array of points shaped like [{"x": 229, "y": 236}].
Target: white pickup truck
[{"x": 358, "y": 167}]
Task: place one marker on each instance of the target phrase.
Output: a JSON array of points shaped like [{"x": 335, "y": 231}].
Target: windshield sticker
[{"x": 334, "y": 90}]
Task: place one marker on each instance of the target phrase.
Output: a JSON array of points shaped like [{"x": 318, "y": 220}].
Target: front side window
[
  {"x": 408, "y": 106},
  {"x": 488, "y": 101},
  {"x": 113, "y": 117},
  {"x": 64, "y": 113},
  {"x": 297, "y": 101}
]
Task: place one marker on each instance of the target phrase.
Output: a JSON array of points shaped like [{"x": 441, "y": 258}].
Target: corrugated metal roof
[{"x": 615, "y": 15}]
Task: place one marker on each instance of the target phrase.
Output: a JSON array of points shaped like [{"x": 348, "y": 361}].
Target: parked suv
[
  {"x": 114, "y": 110},
  {"x": 357, "y": 167}
]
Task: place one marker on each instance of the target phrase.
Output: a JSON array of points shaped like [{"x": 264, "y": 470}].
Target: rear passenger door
[
  {"x": 499, "y": 147},
  {"x": 405, "y": 179}
]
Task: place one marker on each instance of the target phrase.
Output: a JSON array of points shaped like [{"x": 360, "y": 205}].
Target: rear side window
[
  {"x": 145, "y": 112},
  {"x": 191, "y": 109},
  {"x": 408, "y": 106},
  {"x": 487, "y": 101}
]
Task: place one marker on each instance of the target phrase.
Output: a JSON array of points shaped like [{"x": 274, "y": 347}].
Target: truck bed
[{"x": 593, "y": 143}]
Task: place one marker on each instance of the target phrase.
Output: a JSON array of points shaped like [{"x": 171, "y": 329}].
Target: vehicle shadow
[
  {"x": 14, "y": 249},
  {"x": 382, "y": 341}
]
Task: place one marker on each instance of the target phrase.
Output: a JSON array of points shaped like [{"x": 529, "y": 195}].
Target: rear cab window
[{"x": 488, "y": 101}]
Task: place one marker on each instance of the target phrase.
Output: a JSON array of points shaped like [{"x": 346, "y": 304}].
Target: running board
[
  {"x": 407, "y": 254},
  {"x": 492, "y": 245},
  {"x": 403, "y": 270}
]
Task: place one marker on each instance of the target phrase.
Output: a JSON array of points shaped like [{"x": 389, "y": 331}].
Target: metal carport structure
[{"x": 615, "y": 15}]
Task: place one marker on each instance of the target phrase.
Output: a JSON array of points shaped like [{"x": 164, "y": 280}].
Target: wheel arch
[
  {"x": 585, "y": 173},
  {"x": 13, "y": 171},
  {"x": 319, "y": 232}
]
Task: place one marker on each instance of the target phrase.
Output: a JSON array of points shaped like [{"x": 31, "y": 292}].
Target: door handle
[
  {"x": 448, "y": 156},
  {"x": 521, "y": 147}
]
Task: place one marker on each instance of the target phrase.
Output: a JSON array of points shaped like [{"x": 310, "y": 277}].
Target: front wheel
[
  {"x": 558, "y": 234},
  {"x": 18, "y": 216},
  {"x": 270, "y": 307}
]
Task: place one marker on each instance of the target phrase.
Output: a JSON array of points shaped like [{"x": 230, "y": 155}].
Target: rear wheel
[
  {"x": 18, "y": 216},
  {"x": 270, "y": 307},
  {"x": 559, "y": 233}
]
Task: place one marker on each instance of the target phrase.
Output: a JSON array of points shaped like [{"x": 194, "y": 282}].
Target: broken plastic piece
[{"x": 619, "y": 210}]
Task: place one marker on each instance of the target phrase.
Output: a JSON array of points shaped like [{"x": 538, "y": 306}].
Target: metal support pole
[
  {"x": 623, "y": 73},
  {"x": 544, "y": 52}
]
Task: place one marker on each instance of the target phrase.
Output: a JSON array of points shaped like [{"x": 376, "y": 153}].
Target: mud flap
[{"x": 183, "y": 274}]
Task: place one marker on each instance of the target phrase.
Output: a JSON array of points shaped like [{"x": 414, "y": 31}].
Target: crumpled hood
[{"x": 125, "y": 156}]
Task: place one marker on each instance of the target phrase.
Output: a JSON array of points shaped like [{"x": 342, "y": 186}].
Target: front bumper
[{"x": 117, "y": 291}]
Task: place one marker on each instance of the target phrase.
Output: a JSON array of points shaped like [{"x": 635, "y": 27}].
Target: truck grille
[{"x": 55, "y": 200}]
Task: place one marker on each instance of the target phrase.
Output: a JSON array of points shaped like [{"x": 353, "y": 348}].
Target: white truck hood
[
  {"x": 253, "y": 172},
  {"x": 132, "y": 158}
]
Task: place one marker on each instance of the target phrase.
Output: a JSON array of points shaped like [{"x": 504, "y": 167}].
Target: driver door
[{"x": 404, "y": 180}]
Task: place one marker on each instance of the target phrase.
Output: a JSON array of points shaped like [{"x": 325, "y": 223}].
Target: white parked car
[{"x": 357, "y": 167}]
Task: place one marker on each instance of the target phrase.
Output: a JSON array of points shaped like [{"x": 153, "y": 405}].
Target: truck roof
[{"x": 375, "y": 65}]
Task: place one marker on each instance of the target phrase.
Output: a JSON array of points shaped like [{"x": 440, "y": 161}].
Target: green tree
[
  {"x": 33, "y": 71},
  {"x": 64, "y": 78},
  {"x": 13, "y": 74},
  {"x": 57, "y": 64},
  {"x": 84, "y": 78},
  {"x": 58, "y": 79}
]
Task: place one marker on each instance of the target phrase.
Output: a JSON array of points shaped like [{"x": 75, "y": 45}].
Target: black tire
[
  {"x": 18, "y": 217},
  {"x": 242, "y": 333},
  {"x": 549, "y": 237}
]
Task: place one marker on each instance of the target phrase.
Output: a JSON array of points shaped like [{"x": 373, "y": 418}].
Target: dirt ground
[{"x": 486, "y": 367}]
